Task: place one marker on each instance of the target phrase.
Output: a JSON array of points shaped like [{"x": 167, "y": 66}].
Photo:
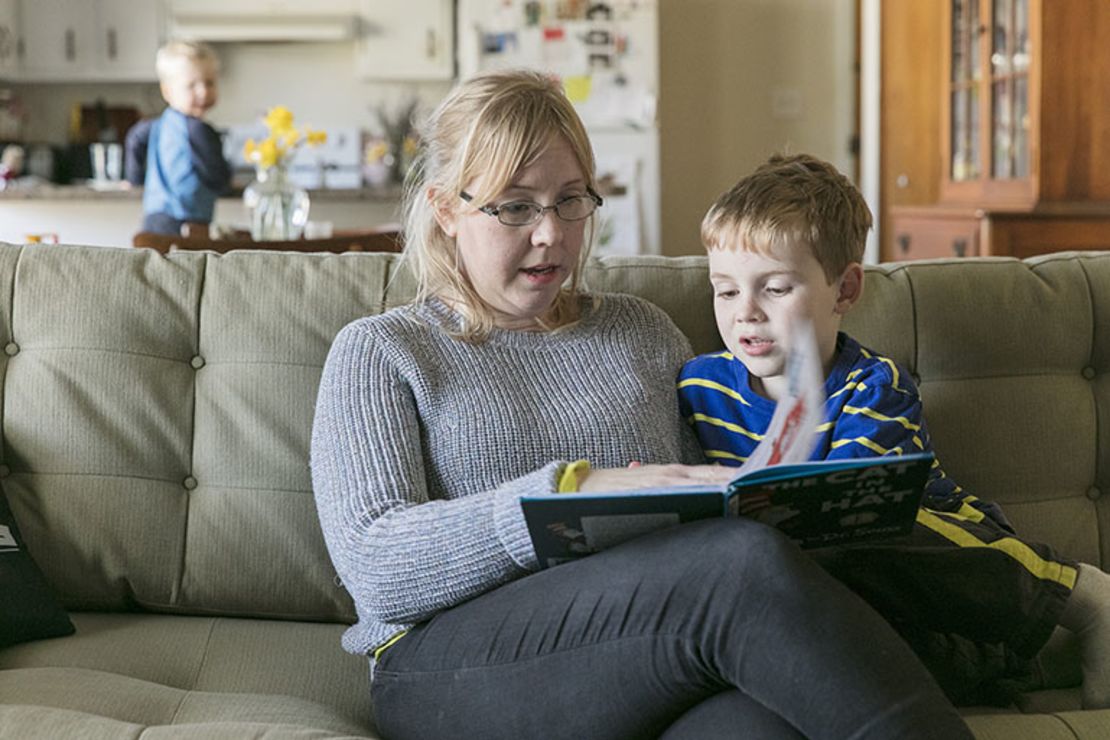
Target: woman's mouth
[{"x": 541, "y": 274}]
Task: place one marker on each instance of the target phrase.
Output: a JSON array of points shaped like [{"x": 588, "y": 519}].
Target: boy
[
  {"x": 786, "y": 242},
  {"x": 177, "y": 157}
]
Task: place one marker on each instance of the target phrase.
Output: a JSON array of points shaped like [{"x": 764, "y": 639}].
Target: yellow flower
[
  {"x": 279, "y": 119},
  {"x": 376, "y": 152},
  {"x": 284, "y": 139},
  {"x": 409, "y": 146},
  {"x": 268, "y": 153}
]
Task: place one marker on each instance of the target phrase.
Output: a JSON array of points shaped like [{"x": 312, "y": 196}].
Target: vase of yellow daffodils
[{"x": 278, "y": 208}]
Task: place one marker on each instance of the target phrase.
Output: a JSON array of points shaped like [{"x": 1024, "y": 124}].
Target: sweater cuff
[{"x": 508, "y": 516}]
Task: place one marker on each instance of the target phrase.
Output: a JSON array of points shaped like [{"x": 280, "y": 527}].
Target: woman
[{"x": 501, "y": 379}]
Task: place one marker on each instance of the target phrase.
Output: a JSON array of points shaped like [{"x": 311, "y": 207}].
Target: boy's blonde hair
[
  {"x": 173, "y": 53},
  {"x": 792, "y": 200},
  {"x": 491, "y": 126}
]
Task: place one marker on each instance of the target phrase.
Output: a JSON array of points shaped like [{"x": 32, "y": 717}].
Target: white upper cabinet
[
  {"x": 130, "y": 33},
  {"x": 406, "y": 40},
  {"x": 111, "y": 40},
  {"x": 9, "y": 38}
]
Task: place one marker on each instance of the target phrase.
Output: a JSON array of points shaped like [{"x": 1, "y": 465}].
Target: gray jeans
[{"x": 712, "y": 629}]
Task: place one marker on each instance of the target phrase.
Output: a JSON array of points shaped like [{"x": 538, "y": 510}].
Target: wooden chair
[{"x": 360, "y": 241}]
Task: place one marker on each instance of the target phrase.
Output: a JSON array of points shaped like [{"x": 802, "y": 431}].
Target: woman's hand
[{"x": 653, "y": 476}]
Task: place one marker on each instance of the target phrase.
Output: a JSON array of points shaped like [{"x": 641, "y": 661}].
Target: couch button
[
  {"x": 197, "y": 362},
  {"x": 1093, "y": 493},
  {"x": 5, "y": 471},
  {"x": 1089, "y": 373},
  {"x": 190, "y": 482},
  {"x": 11, "y": 349}
]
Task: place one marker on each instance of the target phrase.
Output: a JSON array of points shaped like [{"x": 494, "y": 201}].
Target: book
[{"x": 814, "y": 503}]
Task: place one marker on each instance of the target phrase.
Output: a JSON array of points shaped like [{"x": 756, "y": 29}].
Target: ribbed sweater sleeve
[{"x": 423, "y": 445}]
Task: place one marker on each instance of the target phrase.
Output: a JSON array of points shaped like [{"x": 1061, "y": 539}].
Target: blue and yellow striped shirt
[{"x": 873, "y": 408}]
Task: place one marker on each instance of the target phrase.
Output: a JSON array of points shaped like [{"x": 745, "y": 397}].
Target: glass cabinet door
[
  {"x": 1009, "y": 69},
  {"x": 965, "y": 161},
  {"x": 989, "y": 80}
]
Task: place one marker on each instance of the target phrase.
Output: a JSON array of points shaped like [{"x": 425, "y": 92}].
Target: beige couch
[{"x": 156, "y": 416}]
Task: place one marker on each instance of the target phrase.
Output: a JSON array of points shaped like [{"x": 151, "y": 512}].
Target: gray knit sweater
[{"x": 422, "y": 444}]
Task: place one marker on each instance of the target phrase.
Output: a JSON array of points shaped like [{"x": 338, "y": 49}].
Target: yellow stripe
[
  {"x": 826, "y": 426},
  {"x": 715, "y": 387},
  {"x": 863, "y": 411},
  {"x": 895, "y": 375},
  {"x": 727, "y": 425},
  {"x": 965, "y": 514},
  {"x": 724, "y": 455},
  {"x": 389, "y": 643},
  {"x": 849, "y": 387},
  {"x": 865, "y": 442},
  {"x": 1046, "y": 570}
]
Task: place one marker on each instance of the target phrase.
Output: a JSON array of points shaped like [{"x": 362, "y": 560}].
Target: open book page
[{"x": 792, "y": 434}]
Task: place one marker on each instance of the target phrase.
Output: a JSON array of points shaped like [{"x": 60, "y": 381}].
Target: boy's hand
[{"x": 652, "y": 476}]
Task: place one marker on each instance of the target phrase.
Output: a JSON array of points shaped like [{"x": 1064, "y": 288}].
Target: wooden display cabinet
[{"x": 1024, "y": 132}]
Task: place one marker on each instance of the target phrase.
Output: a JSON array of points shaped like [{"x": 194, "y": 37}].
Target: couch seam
[
  {"x": 180, "y": 585},
  {"x": 203, "y": 658},
  {"x": 391, "y": 271},
  {"x": 916, "y": 369},
  {"x": 1094, "y": 399},
  {"x": 7, "y": 364}
]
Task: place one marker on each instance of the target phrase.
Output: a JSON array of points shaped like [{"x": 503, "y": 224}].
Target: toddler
[{"x": 177, "y": 157}]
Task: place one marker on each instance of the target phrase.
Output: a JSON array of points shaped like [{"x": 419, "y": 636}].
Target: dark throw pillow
[{"x": 29, "y": 610}]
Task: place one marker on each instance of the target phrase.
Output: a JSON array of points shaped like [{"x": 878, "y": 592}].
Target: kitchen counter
[
  {"x": 80, "y": 214},
  {"x": 390, "y": 194}
]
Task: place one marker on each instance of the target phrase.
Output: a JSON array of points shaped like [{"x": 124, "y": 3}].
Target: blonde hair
[
  {"x": 173, "y": 53},
  {"x": 491, "y": 126},
  {"x": 792, "y": 200}
]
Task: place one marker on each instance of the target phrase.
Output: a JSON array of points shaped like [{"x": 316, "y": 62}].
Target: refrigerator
[{"x": 606, "y": 53}]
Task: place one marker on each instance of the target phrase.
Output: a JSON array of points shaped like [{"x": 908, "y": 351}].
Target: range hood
[{"x": 263, "y": 20}]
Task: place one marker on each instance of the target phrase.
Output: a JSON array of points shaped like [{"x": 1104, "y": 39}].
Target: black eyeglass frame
[{"x": 495, "y": 211}]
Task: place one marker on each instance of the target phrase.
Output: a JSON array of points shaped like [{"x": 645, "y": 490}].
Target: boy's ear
[
  {"x": 851, "y": 288},
  {"x": 446, "y": 217}
]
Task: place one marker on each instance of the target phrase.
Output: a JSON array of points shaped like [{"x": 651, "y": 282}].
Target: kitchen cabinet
[
  {"x": 9, "y": 38},
  {"x": 89, "y": 40},
  {"x": 406, "y": 40},
  {"x": 1023, "y": 144}
]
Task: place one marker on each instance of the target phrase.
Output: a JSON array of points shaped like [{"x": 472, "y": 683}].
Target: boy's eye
[
  {"x": 726, "y": 293},
  {"x": 778, "y": 290}
]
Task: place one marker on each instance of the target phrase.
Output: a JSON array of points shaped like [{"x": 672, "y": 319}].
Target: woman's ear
[
  {"x": 446, "y": 216},
  {"x": 851, "y": 288}
]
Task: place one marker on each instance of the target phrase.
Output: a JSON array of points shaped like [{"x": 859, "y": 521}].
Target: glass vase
[{"x": 278, "y": 208}]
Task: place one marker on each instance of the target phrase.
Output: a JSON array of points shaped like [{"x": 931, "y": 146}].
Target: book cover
[{"x": 816, "y": 504}]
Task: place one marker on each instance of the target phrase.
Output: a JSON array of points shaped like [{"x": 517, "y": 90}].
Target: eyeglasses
[{"x": 526, "y": 212}]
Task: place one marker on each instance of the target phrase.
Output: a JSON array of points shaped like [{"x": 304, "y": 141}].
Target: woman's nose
[{"x": 548, "y": 230}]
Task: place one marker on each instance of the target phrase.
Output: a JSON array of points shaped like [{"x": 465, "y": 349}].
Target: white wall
[
  {"x": 314, "y": 80},
  {"x": 741, "y": 80}
]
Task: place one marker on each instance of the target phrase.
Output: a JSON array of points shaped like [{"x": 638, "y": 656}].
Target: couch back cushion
[{"x": 157, "y": 409}]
